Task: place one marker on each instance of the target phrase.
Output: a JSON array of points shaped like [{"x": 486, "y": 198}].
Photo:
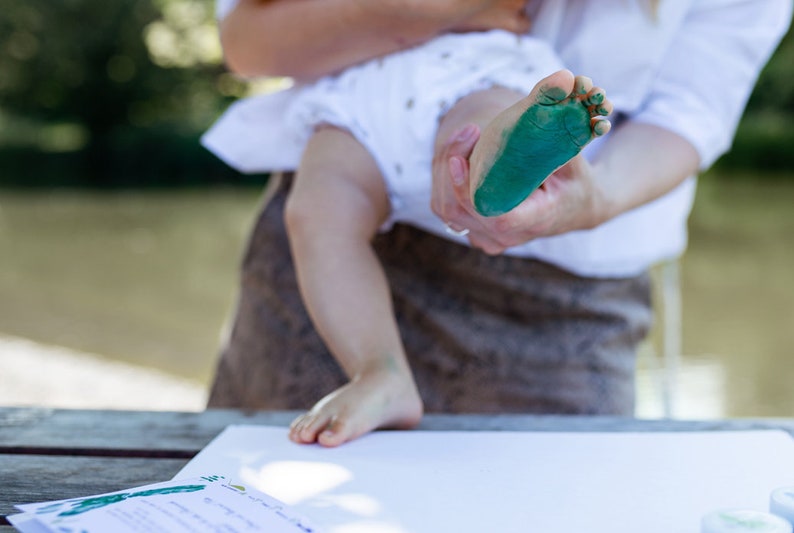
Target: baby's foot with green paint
[{"x": 528, "y": 141}]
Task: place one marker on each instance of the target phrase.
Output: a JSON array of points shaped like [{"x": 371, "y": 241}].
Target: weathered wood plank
[
  {"x": 35, "y": 478},
  {"x": 183, "y": 433}
]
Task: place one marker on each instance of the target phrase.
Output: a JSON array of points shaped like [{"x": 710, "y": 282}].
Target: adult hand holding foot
[
  {"x": 521, "y": 151},
  {"x": 528, "y": 141},
  {"x": 538, "y": 185}
]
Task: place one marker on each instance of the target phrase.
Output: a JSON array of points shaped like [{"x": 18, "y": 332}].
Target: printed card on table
[{"x": 207, "y": 503}]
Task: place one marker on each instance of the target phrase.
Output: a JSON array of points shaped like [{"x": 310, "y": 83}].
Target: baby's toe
[
  {"x": 597, "y": 102},
  {"x": 296, "y": 429},
  {"x": 600, "y": 126},
  {"x": 337, "y": 431},
  {"x": 582, "y": 85},
  {"x": 595, "y": 97},
  {"x": 306, "y": 428}
]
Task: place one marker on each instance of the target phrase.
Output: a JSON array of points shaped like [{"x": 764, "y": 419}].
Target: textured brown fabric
[{"x": 483, "y": 334}]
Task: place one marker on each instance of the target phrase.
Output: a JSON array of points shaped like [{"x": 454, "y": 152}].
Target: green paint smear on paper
[
  {"x": 546, "y": 136},
  {"x": 95, "y": 502}
]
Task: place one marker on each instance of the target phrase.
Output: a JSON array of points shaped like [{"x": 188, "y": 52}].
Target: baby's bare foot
[
  {"x": 527, "y": 142},
  {"x": 363, "y": 405}
]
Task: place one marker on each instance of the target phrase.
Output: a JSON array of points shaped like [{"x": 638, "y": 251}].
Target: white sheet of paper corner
[{"x": 432, "y": 481}]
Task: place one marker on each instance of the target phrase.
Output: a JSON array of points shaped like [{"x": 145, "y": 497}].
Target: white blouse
[{"x": 690, "y": 69}]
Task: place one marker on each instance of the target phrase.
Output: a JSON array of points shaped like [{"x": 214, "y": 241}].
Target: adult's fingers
[{"x": 443, "y": 200}]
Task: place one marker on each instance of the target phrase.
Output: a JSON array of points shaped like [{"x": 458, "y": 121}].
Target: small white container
[
  {"x": 743, "y": 521},
  {"x": 781, "y": 503}
]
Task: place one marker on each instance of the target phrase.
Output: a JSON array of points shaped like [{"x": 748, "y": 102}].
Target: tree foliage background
[
  {"x": 110, "y": 93},
  {"x": 116, "y": 93}
]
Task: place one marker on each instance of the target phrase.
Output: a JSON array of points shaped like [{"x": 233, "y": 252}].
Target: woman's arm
[{"x": 306, "y": 39}]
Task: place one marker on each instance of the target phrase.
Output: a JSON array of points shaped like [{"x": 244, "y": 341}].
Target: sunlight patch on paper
[{"x": 296, "y": 481}]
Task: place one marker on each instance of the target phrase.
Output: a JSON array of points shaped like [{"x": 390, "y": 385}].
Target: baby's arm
[{"x": 337, "y": 203}]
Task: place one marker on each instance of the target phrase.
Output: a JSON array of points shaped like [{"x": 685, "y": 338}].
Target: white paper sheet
[{"x": 482, "y": 482}]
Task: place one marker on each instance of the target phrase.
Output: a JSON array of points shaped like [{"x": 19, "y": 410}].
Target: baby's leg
[
  {"x": 525, "y": 139},
  {"x": 337, "y": 203}
]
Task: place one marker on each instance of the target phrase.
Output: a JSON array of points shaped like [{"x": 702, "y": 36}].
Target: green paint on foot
[{"x": 545, "y": 137}]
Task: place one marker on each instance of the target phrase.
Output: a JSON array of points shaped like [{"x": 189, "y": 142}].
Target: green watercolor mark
[
  {"x": 546, "y": 136},
  {"x": 96, "y": 502}
]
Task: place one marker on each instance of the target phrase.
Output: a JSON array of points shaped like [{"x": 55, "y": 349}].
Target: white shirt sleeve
[
  {"x": 223, "y": 7},
  {"x": 709, "y": 71}
]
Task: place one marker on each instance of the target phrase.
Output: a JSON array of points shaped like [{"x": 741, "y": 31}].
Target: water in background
[
  {"x": 142, "y": 277},
  {"x": 150, "y": 277},
  {"x": 738, "y": 294}
]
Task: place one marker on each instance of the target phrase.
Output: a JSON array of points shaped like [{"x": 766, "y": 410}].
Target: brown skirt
[{"x": 483, "y": 334}]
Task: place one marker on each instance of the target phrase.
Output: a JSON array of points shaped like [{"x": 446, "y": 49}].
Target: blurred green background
[
  {"x": 120, "y": 235},
  {"x": 110, "y": 94}
]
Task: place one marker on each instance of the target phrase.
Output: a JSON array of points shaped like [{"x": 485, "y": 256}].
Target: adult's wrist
[
  {"x": 638, "y": 164},
  {"x": 603, "y": 201}
]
